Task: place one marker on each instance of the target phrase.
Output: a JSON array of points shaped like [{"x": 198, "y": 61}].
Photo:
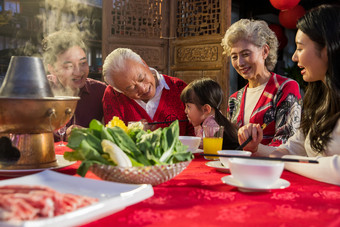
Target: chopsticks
[
  {"x": 165, "y": 122},
  {"x": 249, "y": 139},
  {"x": 265, "y": 158}
]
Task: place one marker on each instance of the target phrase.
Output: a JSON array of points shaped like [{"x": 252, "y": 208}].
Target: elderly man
[
  {"x": 65, "y": 58},
  {"x": 138, "y": 92}
]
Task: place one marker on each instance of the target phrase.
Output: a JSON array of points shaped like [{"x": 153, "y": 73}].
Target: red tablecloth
[{"x": 197, "y": 197}]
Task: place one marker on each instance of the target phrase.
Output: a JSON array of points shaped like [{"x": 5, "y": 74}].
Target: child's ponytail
[{"x": 230, "y": 140}]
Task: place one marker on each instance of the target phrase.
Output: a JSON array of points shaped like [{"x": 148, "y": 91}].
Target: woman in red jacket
[{"x": 268, "y": 98}]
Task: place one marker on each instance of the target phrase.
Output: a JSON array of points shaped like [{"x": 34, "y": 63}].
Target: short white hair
[{"x": 115, "y": 62}]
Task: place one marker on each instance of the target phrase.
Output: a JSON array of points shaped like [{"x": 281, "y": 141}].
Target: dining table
[{"x": 198, "y": 197}]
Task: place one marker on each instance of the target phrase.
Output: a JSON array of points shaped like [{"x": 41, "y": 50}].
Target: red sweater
[
  {"x": 279, "y": 107},
  {"x": 170, "y": 106}
]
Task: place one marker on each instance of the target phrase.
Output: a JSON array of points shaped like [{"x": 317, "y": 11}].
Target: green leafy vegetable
[
  {"x": 88, "y": 154},
  {"x": 144, "y": 148},
  {"x": 127, "y": 145}
]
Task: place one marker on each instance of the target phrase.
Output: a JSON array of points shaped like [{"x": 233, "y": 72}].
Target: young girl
[{"x": 202, "y": 99}]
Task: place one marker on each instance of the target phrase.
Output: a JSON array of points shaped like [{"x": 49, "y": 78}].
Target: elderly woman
[{"x": 268, "y": 98}]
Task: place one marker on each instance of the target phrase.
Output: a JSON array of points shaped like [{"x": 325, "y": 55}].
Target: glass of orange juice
[{"x": 212, "y": 140}]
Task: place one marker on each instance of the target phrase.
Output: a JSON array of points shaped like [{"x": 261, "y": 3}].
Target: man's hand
[
  {"x": 69, "y": 129},
  {"x": 147, "y": 126}
]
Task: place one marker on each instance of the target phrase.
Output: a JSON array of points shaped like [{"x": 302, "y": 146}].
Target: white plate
[
  {"x": 61, "y": 163},
  {"x": 218, "y": 165},
  {"x": 279, "y": 184},
  {"x": 197, "y": 151},
  {"x": 112, "y": 197}
]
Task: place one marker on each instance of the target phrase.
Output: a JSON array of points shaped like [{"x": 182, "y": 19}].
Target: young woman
[
  {"x": 202, "y": 99},
  {"x": 317, "y": 54},
  {"x": 268, "y": 98}
]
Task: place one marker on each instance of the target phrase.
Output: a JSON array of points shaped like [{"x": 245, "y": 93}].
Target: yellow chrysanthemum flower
[{"x": 117, "y": 122}]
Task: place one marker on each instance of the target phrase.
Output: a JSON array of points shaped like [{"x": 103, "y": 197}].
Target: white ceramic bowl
[
  {"x": 255, "y": 173},
  {"x": 224, "y": 160},
  {"x": 193, "y": 142}
]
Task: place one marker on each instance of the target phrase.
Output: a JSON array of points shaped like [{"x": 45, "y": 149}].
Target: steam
[
  {"x": 79, "y": 16},
  {"x": 65, "y": 91},
  {"x": 72, "y": 15},
  {"x": 54, "y": 15},
  {"x": 75, "y": 16}
]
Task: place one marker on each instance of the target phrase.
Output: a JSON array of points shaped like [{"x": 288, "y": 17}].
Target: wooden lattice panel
[
  {"x": 198, "y": 17},
  {"x": 151, "y": 55},
  {"x": 198, "y": 53},
  {"x": 136, "y": 18}
]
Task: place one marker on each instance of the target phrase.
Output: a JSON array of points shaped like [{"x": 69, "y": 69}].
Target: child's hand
[{"x": 253, "y": 130}]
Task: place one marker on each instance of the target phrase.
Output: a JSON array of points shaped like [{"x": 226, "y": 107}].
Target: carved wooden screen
[
  {"x": 197, "y": 31},
  {"x": 140, "y": 26},
  {"x": 177, "y": 37}
]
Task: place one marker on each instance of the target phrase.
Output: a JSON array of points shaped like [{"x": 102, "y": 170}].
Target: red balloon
[
  {"x": 288, "y": 18},
  {"x": 283, "y": 42},
  {"x": 281, "y": 37},
  {"x": 284, "y": 4},
  {"x": 277, "y": 29}
]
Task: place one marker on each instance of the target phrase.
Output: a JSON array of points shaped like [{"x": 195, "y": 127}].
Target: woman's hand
[
  {"x": 278, "y": 153},
  {"x": 248, "y": 130}
]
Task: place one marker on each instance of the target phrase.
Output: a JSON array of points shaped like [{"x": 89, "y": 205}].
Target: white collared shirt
[{"x": 151, "y": 106}]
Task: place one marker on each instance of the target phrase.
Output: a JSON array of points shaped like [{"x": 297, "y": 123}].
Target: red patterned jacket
[
  {"x": 279, "y": 107},
  {"x": 170, "y": 106}
]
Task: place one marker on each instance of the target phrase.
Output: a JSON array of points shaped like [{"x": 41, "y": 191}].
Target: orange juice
[{"x": 211, "y": 146}]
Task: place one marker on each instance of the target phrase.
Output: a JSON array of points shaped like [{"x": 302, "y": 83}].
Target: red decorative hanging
[
  {"x": 284, "y": 4},
  {"x": 281, "y": 37},
  {"x": 288, "y": 18}
]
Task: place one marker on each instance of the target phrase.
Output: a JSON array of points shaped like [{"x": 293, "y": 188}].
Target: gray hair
[
  {"x": 58, "y": 43},
  {"x": 115, "y": 62},
  {"x": 255, "y": 31}
]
